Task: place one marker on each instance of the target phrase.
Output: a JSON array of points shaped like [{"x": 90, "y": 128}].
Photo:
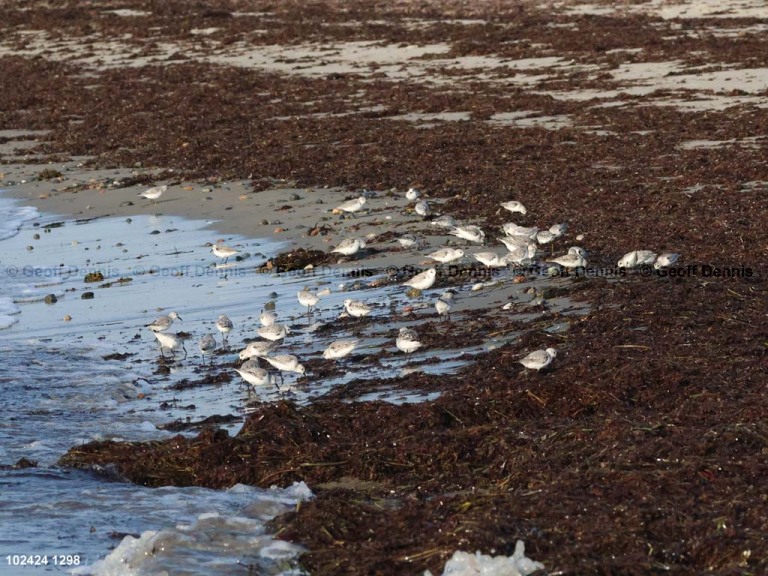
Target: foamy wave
[
  {"x": 466, "y": 564},
  {"x": 157, "y": 552},
  {"x": 12, "y": 218},
  {"x": 34, "y": 291},
  {"x": 8, "y": 311}
]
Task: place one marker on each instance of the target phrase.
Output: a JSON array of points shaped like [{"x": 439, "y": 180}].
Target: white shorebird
[
  {"x": 422, "y": 281},
  {"x": 273, "y": 332},
  {"x": 252, "y": 373},
  {"x": 470, "y": 233},
  {"x": 286, "y": 363},
  {"x": 490, "y": 259},
  {"x": 224, "y": 325},
  {"x": 357, "y": 308},
  {"x": 446, "y": 255},
  {"x": 558, "y": 229},
  {"x": 666, "y": 259},
  {"x": 444, "y": 303},
  {"x": 539, "y": 359},
  {"x": 308, "y": 299},
  {"x": 514, "y": 206},
  {"x": 256, "y": 349},
  {"x": 267, "y": 317},
  {"x": 519, "y": 247},
  {"x": 545, "y": 237},
  {"x": 422, "y": 208},
  {"x": 407, "y": 241},
  {"x": 512, "y": 229},
  {"x": 514, "y": 242},
  {"x": 352, "y": 206},
  {"x": 407, "y": 341},
  {"x": 349, "y": 246},
  {"x": 521, "y": 256},
  {"x": 444, "y": 221},
  {"x": 576, "y": 258},
  {"x": 443, "y": 308},
  {"x": 170, "y": 341},
  {"x": 153, "y": 194},
  {"x": 637, "y": 258},
  {"x": 339, "y": 349},
  {"x": 412, "y": 194},
  {"x": 221, "y": 251},
  {"x": 163, "y": 323},
  {"x": 207, "y": 345}
]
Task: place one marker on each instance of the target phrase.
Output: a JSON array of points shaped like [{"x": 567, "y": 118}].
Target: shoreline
[{"x": 641, "y": 128}]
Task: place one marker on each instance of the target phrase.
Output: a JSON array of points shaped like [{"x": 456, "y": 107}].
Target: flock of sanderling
[{"x": 522, "y": 244}]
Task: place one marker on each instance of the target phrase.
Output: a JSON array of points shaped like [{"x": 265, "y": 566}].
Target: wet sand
[{"x": 642, "y": 127}]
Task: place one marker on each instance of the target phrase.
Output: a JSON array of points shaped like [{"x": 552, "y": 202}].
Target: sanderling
[
  {"x": 422, "y": 208},
  {"x": 519, "y": 245},
  {"x": 520, "y": 256},
  {"x": 545, "y": 237},
  {"x": 444, "y": 221},
  {"x": 513, "y": 242},
  {"x": 443, "y": 308},
  {"x": 286, "y": 363},
  {"x": 171, "y": 342},
  {"x": 422, "y": 281},
  {"x": 163, "y": 323},
  {"x": 349, "y": 246},
  {"x": 256, "y": 349},
  {"x": 207, "y": 346},
  {"x": 308, "y": 299},
  {"x": 637, "y": 258},
  {"x": 512, "y": 229},
  {"x": 539, "y": 359},
  {"x": 407, "y": 341},
  {"x": 221, "y": 251},
  {"x": 470, "y": 233},
  {"x": 273, "y": 332},
  {"x": 412, "y": 194},
  {"x": 666, "y": 259},
  {"x": 407, "y": 241},
  {"x": 252, "y": 373},
  {"x": 490, "y": 259},
  {"x": 443, "y": 305},
  {"x": 351, "y": 206},
  {"x": 340, "y": 348},
  {"x": 357, "y": 308},
  {"x": 153, "y": 194},
  {"x": 558, "y": 229},
  {"x": 514, "y": 206},
  {"x": 224, "y": 325},
  {"x": 267, "y": 317},
  {"x": 446, "y": 255},
  {"x": 576, "y": 258}
]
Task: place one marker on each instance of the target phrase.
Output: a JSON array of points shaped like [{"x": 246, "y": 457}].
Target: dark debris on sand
[{"x": 642, "y": 450}]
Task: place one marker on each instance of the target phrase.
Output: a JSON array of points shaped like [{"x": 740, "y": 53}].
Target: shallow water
[
  {"x": 58, "y": 391},
  {"x": 86, "y": 368}
]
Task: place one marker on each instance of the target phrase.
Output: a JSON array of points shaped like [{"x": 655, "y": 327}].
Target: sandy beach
[{"x": 641, "y": 449}]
